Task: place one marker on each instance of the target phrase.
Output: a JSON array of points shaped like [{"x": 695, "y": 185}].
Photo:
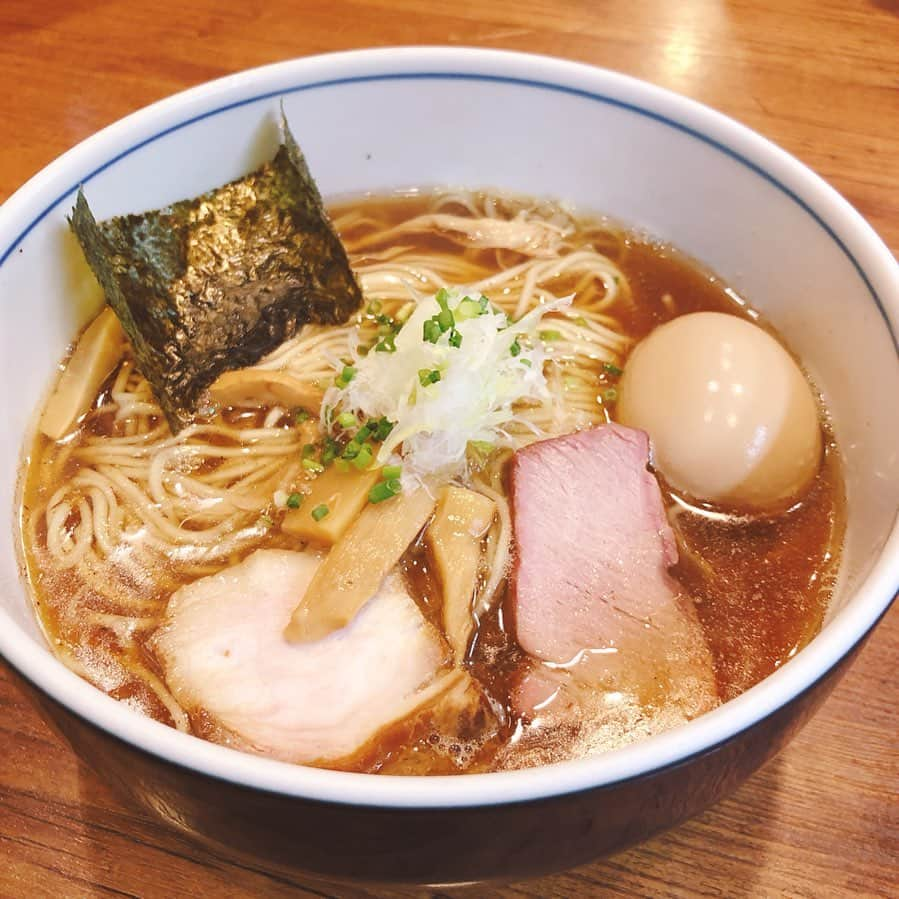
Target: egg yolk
[{"x": 731, "y": 417}]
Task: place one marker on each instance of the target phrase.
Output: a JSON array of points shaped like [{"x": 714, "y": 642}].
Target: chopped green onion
[
  {"x": 610, "y": 369},
  {"x": 319, "y": 512},
  {"x": 526, "y": 362},
  {"x": 440, "y": 323},
  {"x": 403, "y": 313},
  {"x": 610, "y": 395},
  {"x": 515, "y": 348},
  {"x": 391, "y": 472},
  {"x": 468, "y": 308},
  {"x": 386, "y": 344},
  {"x": 361, "y": 462},
  {"x": 484, "y": 303},
  {"x": 308, "y": 450},
  {"x": 300, "y": 416},
  {"x": 431, "y": 331},
  {"x": 374, "y": 306},
  {"x": 347, "y": 420},
  {"x": 427, "y": 376},
  {"x": 455, "y": 339},
  {"x": 294, "y": 501},
  {"x": 364, "y": 432},
  {"x": 384, "y": 490},
  {"x": 384, "y": 426},
  {"x": 364, "y": 457},
  {"x": 445, "y": 320},
  {"x": 550, "y": 335},
  {"x": 351, "y": 450},
  {"x": 345, "y": 376},
  {"x": 312, "y": 465},
  {"x": 266, "y": 519},
  {"x": 331, "y": 451}
]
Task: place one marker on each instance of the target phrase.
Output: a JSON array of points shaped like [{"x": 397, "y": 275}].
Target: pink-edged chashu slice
[{"x": 594, "y": 603}]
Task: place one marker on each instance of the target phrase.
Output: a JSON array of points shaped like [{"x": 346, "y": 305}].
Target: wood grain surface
[{"x": 819, "y": 78}]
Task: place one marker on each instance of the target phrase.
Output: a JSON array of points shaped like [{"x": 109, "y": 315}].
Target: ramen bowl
[{"x": 375, "y": 121}]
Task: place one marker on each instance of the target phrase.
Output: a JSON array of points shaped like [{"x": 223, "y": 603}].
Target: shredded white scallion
[{"x": 496, "y": 365}]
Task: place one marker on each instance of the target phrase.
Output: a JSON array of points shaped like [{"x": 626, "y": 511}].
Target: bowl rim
[{"x": 27, "y": 207}]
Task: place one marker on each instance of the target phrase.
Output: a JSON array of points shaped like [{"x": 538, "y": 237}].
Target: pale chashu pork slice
[
  {"x": 227, "y": 663},
  {"x": 591, "y": 590}
]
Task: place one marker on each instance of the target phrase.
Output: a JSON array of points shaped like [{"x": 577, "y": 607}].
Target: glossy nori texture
[{"x": 214, "y": 283}]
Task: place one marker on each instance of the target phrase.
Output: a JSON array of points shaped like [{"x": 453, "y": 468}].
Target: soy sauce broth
[{"x": 761, "y": 584}]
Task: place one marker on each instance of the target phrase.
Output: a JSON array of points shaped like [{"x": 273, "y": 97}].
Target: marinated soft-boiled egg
[{"x": 731, "y": 417}]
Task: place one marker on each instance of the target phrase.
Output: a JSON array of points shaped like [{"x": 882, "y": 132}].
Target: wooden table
[{"x": 819, "y": 77}]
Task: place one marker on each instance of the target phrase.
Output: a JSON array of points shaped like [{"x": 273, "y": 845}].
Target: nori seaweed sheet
[{"x": 216, "y": 282}]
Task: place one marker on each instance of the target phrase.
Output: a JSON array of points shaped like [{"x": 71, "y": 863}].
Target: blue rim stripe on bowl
[{"x": 499, "y": 79}]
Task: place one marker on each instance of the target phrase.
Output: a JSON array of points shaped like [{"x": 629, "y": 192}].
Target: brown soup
[{"x": 760, "y": 584}]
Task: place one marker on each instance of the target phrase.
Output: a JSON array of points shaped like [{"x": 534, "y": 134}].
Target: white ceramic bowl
[{"x": 383, "y": 119}]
